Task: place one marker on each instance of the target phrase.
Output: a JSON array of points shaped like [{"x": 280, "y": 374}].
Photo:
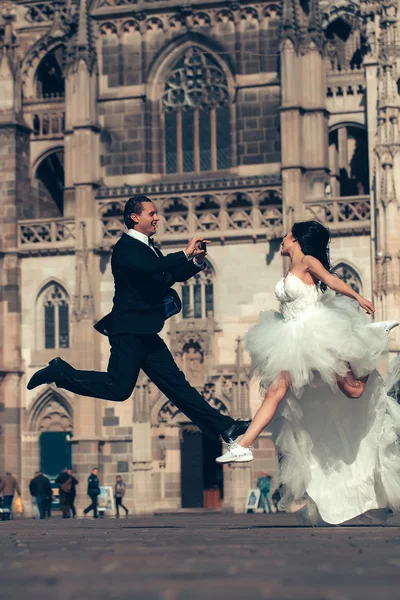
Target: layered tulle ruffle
[
  {"x": 340, "y": 457},
  {"x": 325, "y": 339}
]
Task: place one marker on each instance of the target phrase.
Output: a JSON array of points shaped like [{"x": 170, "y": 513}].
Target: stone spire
[
  {"x": 315, "y": 24},
  {"x": 82, "y": 47},
  {"x": 289, "y": 23},
  {"x": 9, "y": 97},
  {"x": 302, "y": 23}
]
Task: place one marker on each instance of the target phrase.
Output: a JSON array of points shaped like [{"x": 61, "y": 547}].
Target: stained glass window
[
  {"x": 56, "y": 318},
  {"x": 198, "y": 295},
  {"x": 196, "y": 115}
]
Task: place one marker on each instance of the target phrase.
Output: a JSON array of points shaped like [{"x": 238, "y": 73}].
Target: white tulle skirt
[
  {"x": 339, "y": 456},
  {"x": 323, "y": 341}
]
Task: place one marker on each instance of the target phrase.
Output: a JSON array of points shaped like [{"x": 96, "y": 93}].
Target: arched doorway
[
  {"x": 201, "y": 478},
  {"x": 51, "y": 418}
]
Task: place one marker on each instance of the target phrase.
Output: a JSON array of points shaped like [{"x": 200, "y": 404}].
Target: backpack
[{"x": 67, "y": 485}]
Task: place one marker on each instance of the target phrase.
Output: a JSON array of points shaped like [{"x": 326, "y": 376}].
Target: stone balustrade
[
  {"x": 47, "y": 234},
  {"x": 48, "y": 124},
  {"x": 221, "y": 215},
  {"x": 350, "y": 214},
  {"x": 225, "y": 217}
]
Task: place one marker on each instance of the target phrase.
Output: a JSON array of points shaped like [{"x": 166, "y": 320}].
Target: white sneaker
[
  {"x": 387, "y": 326},
  {"x": 236, "y": 453}
]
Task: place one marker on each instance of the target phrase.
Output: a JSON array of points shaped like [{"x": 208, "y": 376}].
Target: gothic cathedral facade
[{"x": 237, "y": 118}]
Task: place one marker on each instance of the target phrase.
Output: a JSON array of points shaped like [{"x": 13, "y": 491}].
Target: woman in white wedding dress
[{"x": 331, "y": 418}]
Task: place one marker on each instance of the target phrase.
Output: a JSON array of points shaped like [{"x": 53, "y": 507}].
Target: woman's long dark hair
[{"x": 314, "y": 241}]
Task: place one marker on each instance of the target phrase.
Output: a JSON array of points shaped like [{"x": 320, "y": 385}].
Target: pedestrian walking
[
  {"x": 64, "y": 480},
  {"x": 276, "y": 497},
  {"x": 72, "y": 493},
  {"x": 93, "y": 492},
  {"x": 40, "y": 488},
  {"x": 119, "y": 493},
  {"x": 8, "y": 487},
  {"x": 264, "y": 485}
]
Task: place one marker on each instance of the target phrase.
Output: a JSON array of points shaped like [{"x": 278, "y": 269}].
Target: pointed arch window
[
  {"x": 196, "y": 115},
  {"x": 198, "y": 295},
  {"x": 349, "y": 276},
  {"x": 50, "y": 76},
  {"x": 348, "y": 161},
  {"x": 54, "y": 306}
]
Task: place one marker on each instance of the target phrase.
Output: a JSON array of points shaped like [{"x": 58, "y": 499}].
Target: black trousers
[
  {"x": 129, "y": 354},
  {"x": 71, "y": 503},
  {"x": 93, "y": 506},
  {"x": 118, "y": 503},
  {"x": 64, "y": 504}
]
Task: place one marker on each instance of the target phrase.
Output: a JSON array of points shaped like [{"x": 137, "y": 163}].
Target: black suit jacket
[{"x": 141, "y": 280}]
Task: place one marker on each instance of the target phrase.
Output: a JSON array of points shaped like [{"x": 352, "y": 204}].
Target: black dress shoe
[
  {"x": 236, "y": 429},
  {"x": 49, "y": 374}
]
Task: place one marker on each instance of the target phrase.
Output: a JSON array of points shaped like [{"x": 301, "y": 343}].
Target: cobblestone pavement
[{"x": 198, "y": 556}]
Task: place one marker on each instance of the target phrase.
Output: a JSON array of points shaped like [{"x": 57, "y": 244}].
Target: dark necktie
[{"x": 152, "y": 246}]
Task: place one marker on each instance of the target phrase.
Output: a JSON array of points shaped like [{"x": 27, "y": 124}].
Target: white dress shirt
[{"x": 141, "y": 237}]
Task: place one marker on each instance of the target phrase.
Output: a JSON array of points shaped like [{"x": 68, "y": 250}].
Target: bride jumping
[{"x": 330, "y": 416}]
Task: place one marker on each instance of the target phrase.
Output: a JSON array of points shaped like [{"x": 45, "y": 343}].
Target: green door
[{"x": 55, "y": 452}]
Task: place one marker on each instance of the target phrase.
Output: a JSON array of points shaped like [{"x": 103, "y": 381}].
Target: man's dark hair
[{"x": 134, "y": 206}]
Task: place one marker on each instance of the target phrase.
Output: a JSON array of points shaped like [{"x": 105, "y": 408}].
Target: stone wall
[
  {"x": 123, "y": 137},
  {"x": 14, "y": 193},
  {"x": 258, "y": 130}
]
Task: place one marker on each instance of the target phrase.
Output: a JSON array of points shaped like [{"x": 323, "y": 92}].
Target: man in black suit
[{"x": 143, "y": 278}]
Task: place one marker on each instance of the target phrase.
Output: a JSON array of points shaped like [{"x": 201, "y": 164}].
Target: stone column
[
  {"x": 15, "y": 201},
  {"x": 141, "y": 450},
  {"x": 292, "y": 177},
  {"x": 82, "y": 164},
  {"x": 238, "y": 477},
  {"x": 386, "y": 214},
  {"x": 304, "y": 118}
]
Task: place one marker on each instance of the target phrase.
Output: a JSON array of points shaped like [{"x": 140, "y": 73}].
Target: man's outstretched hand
[{"x": 193, "y": 249}]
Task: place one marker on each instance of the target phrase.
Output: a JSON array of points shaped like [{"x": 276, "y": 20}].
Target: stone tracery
[{"x": 197, "y": 81}]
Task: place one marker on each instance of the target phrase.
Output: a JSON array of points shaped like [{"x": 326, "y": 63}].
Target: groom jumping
[{"x": 143, "y": 300}]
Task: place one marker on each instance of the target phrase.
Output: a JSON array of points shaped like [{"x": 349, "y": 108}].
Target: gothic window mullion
[
  {"x": 63, "y": 325},
  {"x": 196, "y": 140},
  {"x": 209, "y": 302},
  {"x": 179, "y": 151},
  {"x": 49, "y": 325},
  {"x": 213, "y": 119},
  {"x": 197, "y": 299},
  {"x": 186, "y": 301},
  {"x": 57, "y": 325}
]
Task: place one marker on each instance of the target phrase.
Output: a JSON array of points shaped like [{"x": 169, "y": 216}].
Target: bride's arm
[{"x": 315, "y": 267}]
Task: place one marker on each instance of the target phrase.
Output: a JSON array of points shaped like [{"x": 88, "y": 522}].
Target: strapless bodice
[{"x": 296, "y": 297}]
